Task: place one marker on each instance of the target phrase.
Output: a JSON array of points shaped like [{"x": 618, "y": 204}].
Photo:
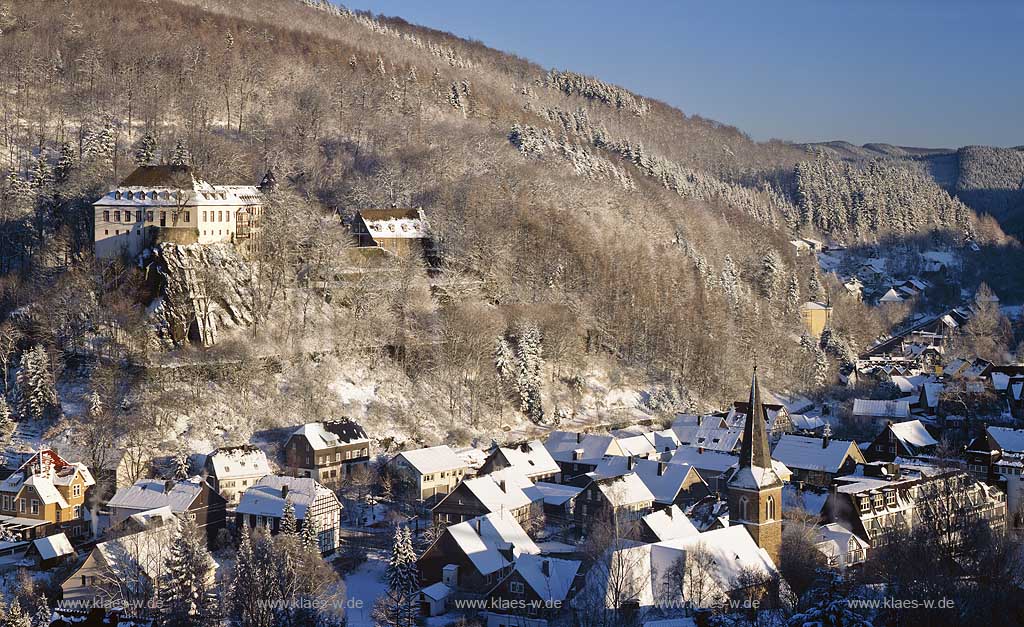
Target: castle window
[
  {"x": 117, "y": 216},
  {"x": 770, "y": 508},
  {"x": 106, "y": 216},
  {"x": 204, "y": 216}
]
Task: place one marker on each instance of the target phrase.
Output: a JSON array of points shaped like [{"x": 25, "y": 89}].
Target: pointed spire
[{"x": 755, "y": 450}]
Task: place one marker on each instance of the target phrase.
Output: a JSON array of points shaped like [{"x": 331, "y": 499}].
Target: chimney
[
  {"x": 661, "y": 468},
  {"x": 545, "y": 568},
  {"x": 579, "y": 437},
  {"x": 284, "y": 491},
  {"x": 700, "y": 450},
  {"x": 168, "y": 485},
  {"x": 476, "y": 524},
  {"x": 826, "y": 436},
  {"x": 700, "y": 419},
  {"x": 577, "y": 454},
  {"x": 630, "y": 462}
]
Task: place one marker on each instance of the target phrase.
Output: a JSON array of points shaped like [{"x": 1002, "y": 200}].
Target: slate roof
[
  {"x": 887, "y": 409},
  {"x": 238, "y": 461},
  {"x": 266, "y": 499},
  {"x": 147, "y": 494},
  {"x": 913, "y": 434},
  {"x": 805, "y": 453},
  {"x": 1009, "y": 440},
  {"x": 530, "y": 458},
  {"x": 670, "y": 524},
  {"x": 52, "y": 547},
  {"x": 556, "y": 585},
  {"x": 434, "y": 459},
  {"x": 483, "y": 539}
]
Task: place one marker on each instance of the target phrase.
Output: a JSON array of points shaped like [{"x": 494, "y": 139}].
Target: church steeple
[{"x": 754, "y": 451}]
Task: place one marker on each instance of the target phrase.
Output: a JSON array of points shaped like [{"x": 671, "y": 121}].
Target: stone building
[{"x": 164, "y": 203}]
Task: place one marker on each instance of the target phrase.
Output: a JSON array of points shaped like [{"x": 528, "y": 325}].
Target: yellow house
[
  {"x": 44, "y": 496},
  {"x": 815, "y": 317}
]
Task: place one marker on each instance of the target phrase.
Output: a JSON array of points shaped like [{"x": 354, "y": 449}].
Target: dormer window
[
  {"x": 152, "y": 195},
  {"x": 131, "y": 196},
  {"x": 163, "y": 196},
  {"x": 117, "y": 195}
]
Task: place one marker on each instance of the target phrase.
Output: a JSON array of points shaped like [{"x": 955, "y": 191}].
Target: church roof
[{"x": 755, "y": 466}]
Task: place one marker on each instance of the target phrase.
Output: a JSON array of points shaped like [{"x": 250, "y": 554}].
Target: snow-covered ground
[{"x": 365, "y": 584}]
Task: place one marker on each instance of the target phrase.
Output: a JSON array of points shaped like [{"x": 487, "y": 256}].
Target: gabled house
[
  {"x": 579, "y": 453},
  {"x": 712, "y": 466},
  {"x": 50, "y": 551},
  {"x": 193, "y": 497},
  {"x": 231, "y": 470},
  {"x": 537, "y": 588},
  {"x": 431, "y": 472},
  {"x": 908, "y": 440},
  {"x": 666, "y": 524},
  {"x": 708, "y": 434},
  {"x": 473, "y": 556},
  {"x": 634, "y": 576},
  {"x": 45, "y": 495},
  {"x": 840, "y": 548},
  {"x": 669, "y": 483},
  {"x": 505, "y": 490},
  {"x": 621, "y": 500},
  {"x": 263, "y": 505},
  {"x": 529, "y": 458},
  {"x": 403, "y": 232},
  {"x": 329, "y": 452},
  {"x": 817, "y": 460},
  {"x": 128, "y": 569},
  {"x": 874, "y": 413},
  {"x": 815, "y": 317}
]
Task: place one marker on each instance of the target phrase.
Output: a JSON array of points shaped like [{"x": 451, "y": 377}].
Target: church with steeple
[{"x": 755, "y": 489}]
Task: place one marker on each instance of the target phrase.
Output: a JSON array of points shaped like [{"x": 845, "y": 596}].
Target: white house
[
  {"x": 263, "y": 505},
  {"x": 233, "y": 469}
]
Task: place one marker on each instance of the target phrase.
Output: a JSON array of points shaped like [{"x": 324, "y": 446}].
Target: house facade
[
  {"x": 529, "y": 458},
  {"x": 329, "y": 452},
  {"x": 45, "y": 495},
  {"x": 402, "y": 232},
  {"x": 194, "y": 498},
  {"x": 430, "y": 473},
  {"x": 164, "y": 203},
  {"x": 504, "y": 490},
  {"x": 232, "y": 470},
  {"x": 264, "y": 504}
]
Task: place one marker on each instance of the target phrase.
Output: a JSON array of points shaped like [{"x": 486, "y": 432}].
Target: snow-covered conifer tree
[
  {"x": 310, "y": 535},
  {"x": 771, "y": 275},
  {"x": 793, "y": 292},
  {"x": 180, "y": 156},
  {"x": 185, "y": 594},
  {"x": 399, "y": 606},
  {"x": 182, "y": 464},
  {"x": 14, "y": 616},
  {"x": 43, "y": 614},
  {"x": 252, "y": 584},
  {"x": 288, "y": 524},
  {"x": 36, "y": 393},
  {"x": 145, "y": 150}
]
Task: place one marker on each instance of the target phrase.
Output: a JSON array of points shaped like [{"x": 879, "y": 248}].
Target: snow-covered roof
[
  {"x": 324, "y": 436},
  {"x": 912, "y": 432},
  {"x": 755, "y": 477},
  {"x": 267, "y": 498},
  {"x": 505, "y": 489},
  {"x": 152, "y": 517},
  {"x": 148, "y": 494},
  {"x": 557, "y": 494},
  {"x": 44, "y": 470},
  {"x": 144, "y": 552},
  {"x": 955, "y": 367},
  {"x": 732, "y": 551},
  {"x": 711, "y": 437},
  {"x": 438, "y": 591},
  {"x": 637, "y": 445},
  {"x": 886, "y": 409},
  {"x": 238, "y": 461},
  {"x": 628, "y": 489},
  {"x": 434, "y": 459},
  {"x": 804, "y": 453},
  {"x": 55, "y": 546},
  {"x": 663, "y": 479},
  {"x": 1000, "y": 381},
  {"x": 931, "y": 393},
  {"x": 553, "y": 586},
  {"x": 807, "y": 423},
  {"x": 714, "y": 461},
  {"x": 563, "y": 444},
  {"x": 159, "y": 185},
  {"x": 670, "y": 524},
  {"x": 1009, "y": 440},
  {"x": 530, "y": 458},
  {"x": 395, "y": 223},
  {"x": 815, "y": 305},
  {"x": 484, "y": 538},
  {"x": 892, "y": 296}
]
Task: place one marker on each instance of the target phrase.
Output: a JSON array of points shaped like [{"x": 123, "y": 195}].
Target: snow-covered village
[{"x": 311, "y": 316}]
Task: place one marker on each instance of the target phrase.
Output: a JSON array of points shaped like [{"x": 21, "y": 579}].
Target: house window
[
  {"x": 21, "y": 505},
  {"x": 149, "y": 216},
  {"x": 106, "y": 216},
  {"x": 117, "y": 195},
  {"x": 515, "y": 587},
  {"x": 220, "y": 216},
  {"x": 78, "y": 511},
  {"x": 865, "y": 505},
  {"x": 35, "y": 506},
  {"x": 890, "y": 498},
  {"x": 138, "y": 215},
  {"x": 117, "y": 216},
  {"x": 76, "y": 490}
]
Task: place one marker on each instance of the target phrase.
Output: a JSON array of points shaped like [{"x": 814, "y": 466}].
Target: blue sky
[{"x": 907, "y": 72}]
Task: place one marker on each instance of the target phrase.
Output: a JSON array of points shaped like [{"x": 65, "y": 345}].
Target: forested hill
[{"x": 617, "y": 224}]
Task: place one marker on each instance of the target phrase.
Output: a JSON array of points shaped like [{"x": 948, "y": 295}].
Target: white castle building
[{"x": 164, "y": 203}]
